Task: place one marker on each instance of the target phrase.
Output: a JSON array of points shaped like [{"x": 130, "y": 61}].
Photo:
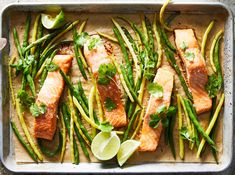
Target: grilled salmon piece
[
  {"x": 45, "y": 125},
  {"x": 149, "y": 137},
  {"x": 96, "y": 57},
  {"x": 195, "y": 66}
]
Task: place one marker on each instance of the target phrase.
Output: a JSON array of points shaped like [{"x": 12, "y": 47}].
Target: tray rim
[{"x": 29, "y": 168}]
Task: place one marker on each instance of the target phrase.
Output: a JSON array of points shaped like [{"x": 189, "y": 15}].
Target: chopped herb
[
  {"x": 106, "y": 73},
  {"x": 155, "y": 119},
  {"x": 51, "y": 67},
  {"x": 213, "y": 85},
  {"x": 81, "y": 39},
  {"x": 183, "y": 46},
  {"x": 163, "y": 114},
  {"x": 155, "y": 90},
  {"x": 106, "y": 127},
  {"x": 93, "y": 43},
  {"x": 184, "y": 133},
  {"x": 25, "y": 99},
  {"x": 110, "y": 104},
  {"x": 189, "y": 56},
  {"x": 37, "y": 110},
  {"x": 161, "y": 109}
]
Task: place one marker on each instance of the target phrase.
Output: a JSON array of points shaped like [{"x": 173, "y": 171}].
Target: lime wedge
[
  {"x": 105, "y": 145},
  {"x": 52, "y": 23},
  {"x": 126, "y": 150}
]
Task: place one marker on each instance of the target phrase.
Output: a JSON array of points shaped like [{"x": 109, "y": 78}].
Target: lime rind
[
  {"x": 127, "y": 148},
  {"x": 53, "y": 23}
]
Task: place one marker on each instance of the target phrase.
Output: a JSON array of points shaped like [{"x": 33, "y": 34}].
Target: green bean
[
  {"x": 63, "y": 137},
  {"x": 42, "y": 68},
  {"x": 61, "y": 33},
  {"x": 217, "y": 61},
  {"x": 107, "y": 37},
  {"x": 205, "y": 36},
  {"x": 26, "y": 31},
  {"x": 150, "y": 33},
  {"x": 124, "y": 37},
  {"x": 82, "y": 93},
  {"x": 44, "y": 56},
  {"x": 82, "y": 143},
  {"x": 161, "y": 16},
  {"x": 129, "y": 126},
  {"x": 172, "y": 61},
  {"x": 17, "y": 43},
  {"x": 132, "y": 41},
  {"x": 51, "y": 153},
  {"x": 91, "y": 108},
  {"x": 158, "y": 38},
  {"x": 125, "y": 55},
  {"x": 31, "y": 84},
  {"x": 23, "y": 84},
  {"x": 136, "y": 33},
  {"x": 213, "y": 131},
  {"x": 10, "y": 80},
  {"x": 40, "y": 40},
  {"x": 74, "y": 93},
  {"x": 66, "y": 119},
  {"x": 35, "y": 32},
  {"x": 166, "y": 41},
  {"x": 79, "y": 49},
  {"x": 136, "y": 130},
  {"x": 26, "y": 131},
  {"x": 211, "y": 124},
  {"x": 129, "y": 86},
  {"x": 180, "y": 124},
  {"x": 197, "y": 125},
  {"x": 23, "y": 142},
  {"x": 43, "y": 77},
  {"x": 212, "y": 49},
  {"x": 78, "y": 58}
]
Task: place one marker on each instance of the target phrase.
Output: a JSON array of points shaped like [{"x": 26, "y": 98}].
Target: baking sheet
[{"x": 102, "y": 23}]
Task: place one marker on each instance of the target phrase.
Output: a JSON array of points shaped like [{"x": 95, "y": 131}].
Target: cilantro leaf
[
  {"x": 37, "y": 110},
  {"x": 93, "y": 43},
  {"x": 162, "y": 114},
  {"x": 155, "y": 90},
  {"x": 51, "y": 67},
  {"x": 81, "y": 39},
  {"x": 213, "y": 85},
  {"x": 183, "y": 46},
  {"x": 155, "y": 119},
  {"x": 25, "y": 99},
  {"x": 189, "y": 56},
  {"x": 161, "y": 109},
  {"x": 106, "y": 127},
  {"x": 106, "y": 73},
  {"x": 184, "y": 133},
  {"x": 110, "y": 104}
]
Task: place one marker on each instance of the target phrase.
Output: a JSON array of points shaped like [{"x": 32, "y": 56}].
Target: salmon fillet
[
  {"x": 45, "y": 125},
  {"x": 96, "y": 57},
  {"x": 197, "y": 75},
  {"x": 149, "y": 137}
]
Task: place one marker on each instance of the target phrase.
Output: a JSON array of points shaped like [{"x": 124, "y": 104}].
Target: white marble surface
[{"x": 230, "y": 3}]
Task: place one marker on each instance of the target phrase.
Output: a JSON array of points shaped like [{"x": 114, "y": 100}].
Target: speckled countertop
[{"x": 230, "y": 3}]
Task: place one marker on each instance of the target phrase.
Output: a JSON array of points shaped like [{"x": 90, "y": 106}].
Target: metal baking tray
[{"x": 6, "y": 145}]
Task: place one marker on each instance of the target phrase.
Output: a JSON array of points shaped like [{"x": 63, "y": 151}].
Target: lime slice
[
  {"x": 105, "y": 145},
  {"x": 126, "y": 150},
  {"x": 52, "y": 23}
]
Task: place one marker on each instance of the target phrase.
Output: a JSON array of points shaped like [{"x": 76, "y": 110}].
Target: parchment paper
[{"x": 102, "y": 23}]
